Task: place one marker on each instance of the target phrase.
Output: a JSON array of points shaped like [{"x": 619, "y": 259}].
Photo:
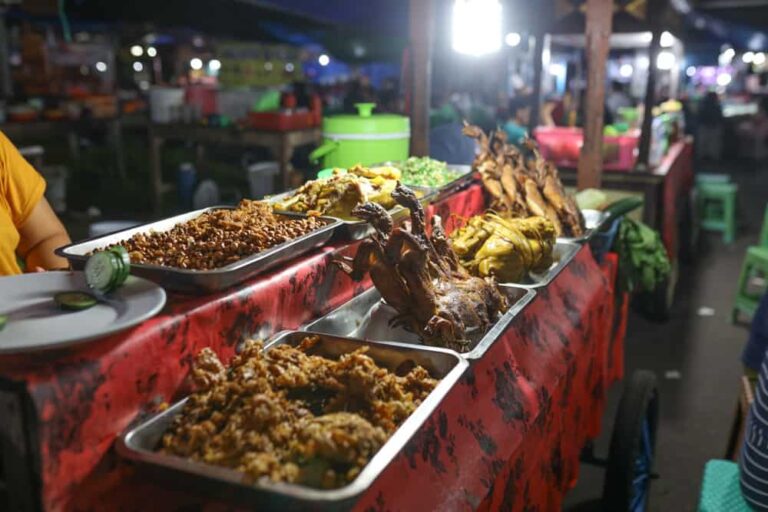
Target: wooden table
[{"x": 281, "y": 144}]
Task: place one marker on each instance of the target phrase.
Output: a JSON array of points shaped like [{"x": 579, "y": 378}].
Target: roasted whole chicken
[
  {"x": 507, "y": 249},
  {"x": 421, "y": 277},
  {"x": 522, "y": 186}
]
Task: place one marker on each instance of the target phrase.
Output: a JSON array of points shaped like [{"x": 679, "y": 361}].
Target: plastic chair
[
  {"x": 710, "y": 177},
  {"x": 755, "y": 262},
  {"x": 720, "y": 491},
  {"x": 717, "y": 208}
]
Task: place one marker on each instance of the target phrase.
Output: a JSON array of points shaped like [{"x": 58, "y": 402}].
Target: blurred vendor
[
  {"x": 519, "y": 118},
  {"x": 29, "y": 229}
]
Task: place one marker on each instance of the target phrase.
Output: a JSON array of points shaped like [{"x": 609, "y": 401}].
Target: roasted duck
[
  {"x": 421, "y": 277},
  {"x": 524, "y": 186},
  {"x": 507, "y": 249},
  {"x": 338, "y": 195}
]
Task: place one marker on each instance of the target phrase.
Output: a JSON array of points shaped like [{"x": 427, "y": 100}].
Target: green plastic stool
[
  {"x": 763, "y": 241},
  {"x": 709, "y": 177},
  {"x": 717, "y": 208},
  {"x": 755, "y": 262},
  {"x": 720, "y": 491}
]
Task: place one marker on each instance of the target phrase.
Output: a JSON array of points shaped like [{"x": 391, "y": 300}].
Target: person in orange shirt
[{"x": 29, "y": 228}]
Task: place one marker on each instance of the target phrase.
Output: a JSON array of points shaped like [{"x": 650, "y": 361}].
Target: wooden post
[
  {"x": 422, "y": 28},
  {"x": 598, "y": 33},
  {"x": 650, "y": 98}
]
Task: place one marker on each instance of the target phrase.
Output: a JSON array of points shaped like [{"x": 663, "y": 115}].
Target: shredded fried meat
[{"x": 288, "y": 416}]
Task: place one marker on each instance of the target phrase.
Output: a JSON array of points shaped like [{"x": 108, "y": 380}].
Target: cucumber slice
[
  {"x": 75, "y": 301},
  {"x": 101, "y": 271},
  {"x": 3, "y": 321},
  {"x": 125, "y": 263}
]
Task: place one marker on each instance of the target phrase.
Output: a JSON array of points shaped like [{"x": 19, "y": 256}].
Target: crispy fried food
[
  {"x": 288, "y": 416},
  {"x": 419, "y": 275},
  {"x": 507, "y": 249},
  {"x": 338, "y": 195},
  {"x": 520, "y": 187},
  {"x": 218, "y": 237}
]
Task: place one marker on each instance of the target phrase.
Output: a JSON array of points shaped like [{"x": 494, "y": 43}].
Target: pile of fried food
[
  {"x": 420, "y": 276},
  {"x": 507, "y": 249},
  {"x": 338, "y": 195},
  {"x": 522, "y": 186},
  {"x": 283, "y": 415},
  {"x": 218, "y": 237}
]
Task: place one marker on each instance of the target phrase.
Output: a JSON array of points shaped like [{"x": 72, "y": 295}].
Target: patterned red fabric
[{"x": 507, "y": 436}]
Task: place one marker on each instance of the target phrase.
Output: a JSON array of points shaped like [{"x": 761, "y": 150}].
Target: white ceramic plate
[{"x": 35, "y": 322}]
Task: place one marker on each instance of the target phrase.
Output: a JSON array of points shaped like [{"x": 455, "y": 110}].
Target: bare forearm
[{"x": 42, "y": 255}]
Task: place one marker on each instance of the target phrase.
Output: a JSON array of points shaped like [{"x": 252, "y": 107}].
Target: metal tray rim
[
  {"x": 372, "y": 470},
  {"x": 445, "y": 189},
  {"x": 589, "y": 232},
  {"x": 482, "y": 346},
  {"x": 570, "y": 248},
  {"x": 331, "y": 223}
]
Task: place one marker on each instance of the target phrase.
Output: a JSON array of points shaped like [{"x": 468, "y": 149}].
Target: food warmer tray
[
  {"x": 563, "y": 253},
  {"x": 593, "y": 221},
  {"x": 200, "y": 281},
  {"x": 360, "y": 229},
  {"x": 139, "y": 443},
  {"x": 441, "y": 192},
  {"x": 367, "y": 316}
]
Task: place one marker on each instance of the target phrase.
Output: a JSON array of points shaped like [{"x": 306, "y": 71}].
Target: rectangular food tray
[
  {"x": 201, "y": 281},
  {"x": 593, "y": 221},
  {"x": 443, "y": 191},
  {"x": 360, "y": 229},
  {"x": 140, "y": 442},
  {"x": 563, "y": 253},
  {"x": 349, "y": 319}
]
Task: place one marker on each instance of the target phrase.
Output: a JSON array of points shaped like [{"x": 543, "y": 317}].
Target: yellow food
[
  {"x": 338, "y": 195},
  {"x": 507, "y": 249}
]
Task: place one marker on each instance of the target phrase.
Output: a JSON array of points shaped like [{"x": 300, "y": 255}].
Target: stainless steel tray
[
  {"x": 563, "y": 253},
  {"x": 360, "y": 229},
  {"x": 366, "y": 316},
  {"x": 593, "y": 221},
  {"x": 200, "y": 281},
  {"x": 467, "y": 175},
  {"x": 139, "y": 443}
]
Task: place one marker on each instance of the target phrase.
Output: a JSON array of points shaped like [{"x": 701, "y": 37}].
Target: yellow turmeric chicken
[{"x": 507, "y": 249}]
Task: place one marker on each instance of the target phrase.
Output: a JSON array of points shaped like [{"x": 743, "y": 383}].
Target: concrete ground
[{"x": 695, "y": 357}]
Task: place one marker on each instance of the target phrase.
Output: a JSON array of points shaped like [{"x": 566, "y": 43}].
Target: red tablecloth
[{"x": 507, "y": 436}]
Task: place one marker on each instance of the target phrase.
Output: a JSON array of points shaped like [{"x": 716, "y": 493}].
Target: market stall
[
  {"x": 508, "y": 435},
  {"x": 281, "y": 143}
]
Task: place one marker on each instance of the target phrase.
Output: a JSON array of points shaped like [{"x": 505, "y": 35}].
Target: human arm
[{"x": 41, "y": 233}]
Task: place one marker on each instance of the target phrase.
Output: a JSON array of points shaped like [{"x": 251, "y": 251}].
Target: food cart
[{"x": 507, "y": 435}]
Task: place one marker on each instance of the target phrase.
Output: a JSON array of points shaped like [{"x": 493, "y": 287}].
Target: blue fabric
[
  {"x": 448, "y": 144},
  {"x": 753, "y": 463},
  {"x": 757, "y": 344}
]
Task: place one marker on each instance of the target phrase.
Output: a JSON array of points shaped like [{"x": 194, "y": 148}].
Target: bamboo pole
[{"x": 422, "y": 28}]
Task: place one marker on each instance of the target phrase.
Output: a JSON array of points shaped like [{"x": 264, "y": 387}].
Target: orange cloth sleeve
[{"x": 21, "y": 189}]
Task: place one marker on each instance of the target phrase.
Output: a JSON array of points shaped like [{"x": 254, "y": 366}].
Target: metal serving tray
[
  {"x": 367, "y": 316},
  {"x": 139, "y": 443},
  {"x": 563, "y": 253},
  {"x": 360, "y": 229},
  {"x": 593, "y": 221},
  {"x": 197, "y": 281},
  {"x": 467, "y": 175}
]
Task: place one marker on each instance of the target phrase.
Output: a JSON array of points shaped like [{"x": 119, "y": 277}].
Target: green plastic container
[{"x": 363, "y": 138}]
